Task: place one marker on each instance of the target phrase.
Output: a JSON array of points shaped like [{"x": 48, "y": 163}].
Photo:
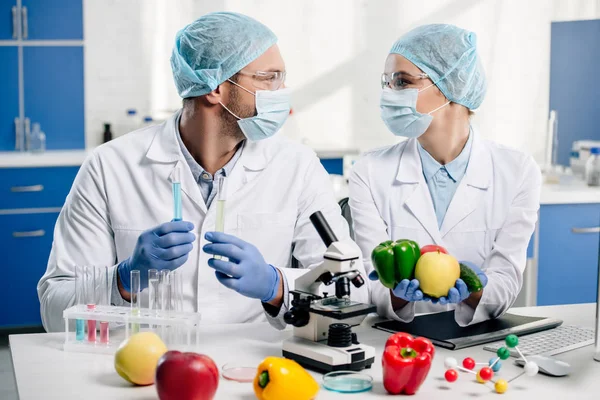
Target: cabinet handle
[
  {"x": 26, "y": 189},
  {"x": 25, "y": 26},
  {"x": 30, "y": 234},
  {"x": 586, "y": 230},
  {"x": 18, "y": 134},
  {"x": 15, "y": 22}
]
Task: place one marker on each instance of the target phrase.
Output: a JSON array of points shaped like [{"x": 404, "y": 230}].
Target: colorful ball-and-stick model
[{"x": 485, "y": 374}]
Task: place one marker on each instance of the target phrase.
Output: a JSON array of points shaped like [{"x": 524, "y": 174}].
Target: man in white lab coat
[
  {"x": 445, "y": 185},
  {"x": 119, "y": 213}
]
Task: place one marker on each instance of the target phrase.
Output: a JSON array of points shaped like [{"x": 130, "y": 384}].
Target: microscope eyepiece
[{"x": 323, "y": 228}]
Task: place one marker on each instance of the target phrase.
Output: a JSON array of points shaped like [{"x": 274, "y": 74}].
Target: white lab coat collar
[
  {"x": 164, "y": 148},
  {"x": 466, "y": 199}
]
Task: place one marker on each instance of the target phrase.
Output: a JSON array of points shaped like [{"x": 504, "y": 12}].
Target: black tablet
[{"x": 443, "y": 331}]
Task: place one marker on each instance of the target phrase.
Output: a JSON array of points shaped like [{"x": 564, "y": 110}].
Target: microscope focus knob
[
  {"x": 297, "y": 318},
  {"x": 358, "y": 281}
]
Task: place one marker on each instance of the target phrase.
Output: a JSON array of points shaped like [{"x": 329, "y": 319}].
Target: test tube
[
  {"x": 135, "y": 298},
  {"x": 176, "y": 304},
  {"x": 164, "y": 289},
  {"x": 90, "y": 288},
  {"x": 220, "y": 219},
  {"x": 153, "y": 292},
  {"x": 79, "y": 299},
  {"x": 176, "y": 179},
  {"x": 105, "y": 301}
]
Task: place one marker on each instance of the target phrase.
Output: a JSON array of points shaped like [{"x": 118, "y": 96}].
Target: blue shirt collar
[
  {"x": 196, "y": 168},
  {"x": 456, "y": 168}
]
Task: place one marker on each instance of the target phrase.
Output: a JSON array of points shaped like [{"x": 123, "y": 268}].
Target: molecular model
[{"x": 485, "y": 374}]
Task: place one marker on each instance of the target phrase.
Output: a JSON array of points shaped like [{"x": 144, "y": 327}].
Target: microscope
[{"x": 323, "y": 339}]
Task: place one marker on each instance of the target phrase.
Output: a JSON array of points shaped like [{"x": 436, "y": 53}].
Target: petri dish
[
  {"x": 347, "y": 382},
  {"x": 238, "y": 373}
]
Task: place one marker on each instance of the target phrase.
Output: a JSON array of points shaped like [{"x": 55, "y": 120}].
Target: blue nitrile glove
[
  {"x": 460, "y": 292},
  {"x": 246, "y": 272},
  {"x": 163, "y": 247},
  {"x": 405, "y": 289}
]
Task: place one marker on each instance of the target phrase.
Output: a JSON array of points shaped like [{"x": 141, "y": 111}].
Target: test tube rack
[{"x": 182, "y": 328}]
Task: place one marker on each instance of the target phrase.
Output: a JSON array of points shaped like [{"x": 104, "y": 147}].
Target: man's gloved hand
[
  {"x": 164, "y": 247},
  {"x": 246, "y": 272},
  {"x": 405, "y": 289},
  {"x": 460, "y": 292}
]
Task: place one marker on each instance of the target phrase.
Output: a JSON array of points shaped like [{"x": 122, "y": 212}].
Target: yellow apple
[
  {"x": 437, "y": 273},
  {"x": 137, "y": 357}
]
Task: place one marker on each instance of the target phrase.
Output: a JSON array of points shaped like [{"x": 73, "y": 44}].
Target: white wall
[{"x": 334, "y": 51}]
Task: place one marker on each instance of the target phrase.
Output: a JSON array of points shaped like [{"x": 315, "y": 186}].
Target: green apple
[
  {"x": 137, "y": 358},
  {"x": 437, "y": 273}
]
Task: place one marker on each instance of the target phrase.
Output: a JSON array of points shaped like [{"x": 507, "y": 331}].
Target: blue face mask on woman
[
  {"x": 273, "y": 108},
  {"x": 399, "y": 112}
]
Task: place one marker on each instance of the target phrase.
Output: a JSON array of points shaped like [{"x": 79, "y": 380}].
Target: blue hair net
[
  {"x": 449, "y": 56},
  {"x": 215, "y": 47}
]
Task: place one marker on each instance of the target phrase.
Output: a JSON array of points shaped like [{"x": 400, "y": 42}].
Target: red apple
[
  {"x": 430, "y": 248},
  {"x": 186, "y": 376}
]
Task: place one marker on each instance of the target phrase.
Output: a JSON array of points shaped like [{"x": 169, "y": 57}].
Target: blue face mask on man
[
  {"x": 399, "y": 112},
  {"x": 273, "y": 108}
]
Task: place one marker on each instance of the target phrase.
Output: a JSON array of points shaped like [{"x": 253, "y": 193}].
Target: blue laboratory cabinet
[
  {"x": 26, "y": 241},
  {"x": 30, "y": 202},
  {"x": 574, "y": 87},
  {"x": 54, "y": 20},
  {"x": 47, "y": 58},
  {"x": 56, "y": 106},
  {"x": 568, "y": 254},
  {"x": 9, "y": 97},
  {"x": 8, "y": 19}
]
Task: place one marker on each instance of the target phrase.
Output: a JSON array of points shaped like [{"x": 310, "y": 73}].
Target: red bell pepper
[{"x": 406, "y": 363}]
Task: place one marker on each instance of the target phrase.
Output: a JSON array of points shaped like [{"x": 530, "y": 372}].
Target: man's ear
[{"x": 215, "y": 96}]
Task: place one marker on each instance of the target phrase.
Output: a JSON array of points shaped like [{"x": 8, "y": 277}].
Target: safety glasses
[
  {"x": 271, "y": 80},
  {"x": 401, "y": 80}
]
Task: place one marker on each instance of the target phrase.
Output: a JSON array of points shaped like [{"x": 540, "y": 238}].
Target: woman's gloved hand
[
  {"x": 407, "y": 290},
  {"x": 246, "y": 272},
  {"x": 164, "y": 247}
]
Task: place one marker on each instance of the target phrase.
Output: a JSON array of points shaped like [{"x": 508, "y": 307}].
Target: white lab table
[{"x": 44, "y": 371}]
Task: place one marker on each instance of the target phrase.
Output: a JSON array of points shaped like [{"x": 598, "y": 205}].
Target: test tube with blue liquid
[
  {"x": 79, "y": 299},
  {"x": 176, "y": 179},
  {"x": 135, "y": 298}
]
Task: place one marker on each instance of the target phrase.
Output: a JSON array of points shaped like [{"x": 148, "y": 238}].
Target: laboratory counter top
[
  {"x": 44, "y": 370},
  {"x": 575, "y": 193},
  {"x": 49, "y": 158}
]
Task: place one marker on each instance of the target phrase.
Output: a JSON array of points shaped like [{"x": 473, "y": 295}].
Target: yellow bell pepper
[{"x": 283, "y": 379}]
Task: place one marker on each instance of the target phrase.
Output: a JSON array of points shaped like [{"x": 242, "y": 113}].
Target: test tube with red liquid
[
  {"x": 105, "y": 301},
  {"x": 90, "y": 288}
]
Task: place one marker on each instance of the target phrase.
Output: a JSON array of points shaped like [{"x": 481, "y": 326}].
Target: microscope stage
[{"x": 318, "y": 356}]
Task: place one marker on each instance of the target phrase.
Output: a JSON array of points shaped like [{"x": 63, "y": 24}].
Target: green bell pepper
[{"x": 395, "y": 261}]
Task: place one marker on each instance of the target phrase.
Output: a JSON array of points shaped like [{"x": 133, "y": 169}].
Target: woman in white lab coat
[{"x": 445, "y": 185}]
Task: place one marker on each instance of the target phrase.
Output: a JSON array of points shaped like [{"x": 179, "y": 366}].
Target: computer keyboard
[{"x": 550, "y": 342}]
